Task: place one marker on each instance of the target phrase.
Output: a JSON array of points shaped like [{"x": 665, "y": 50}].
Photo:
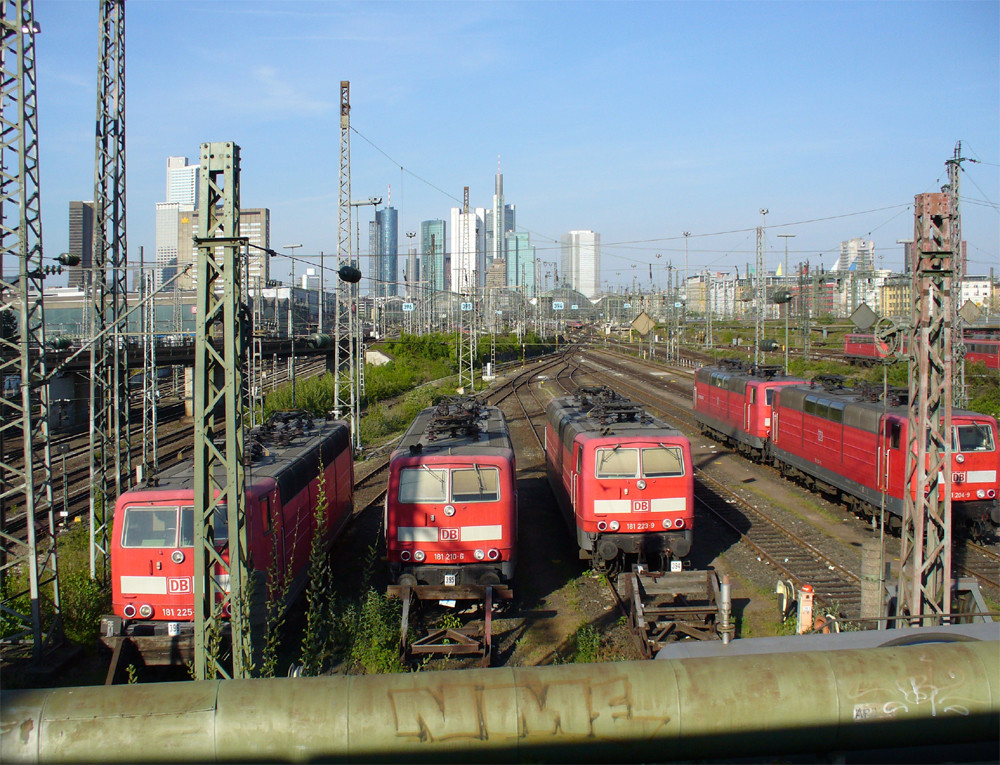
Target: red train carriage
[
  {"x": 451, "y": 504},
  {"x": 839, "y": 440},
  {"x": 623, "y": 479},
  {"x": 732, "y": 403},
  {"x": 152, "y": 553},
  {"x": 864, "y": 349}
]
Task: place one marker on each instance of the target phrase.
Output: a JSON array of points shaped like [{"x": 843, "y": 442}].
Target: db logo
[
  {"x": 449, "y": 535},
  {"x": 640, "y": 505},
  {"x": 179, "y": 585}
]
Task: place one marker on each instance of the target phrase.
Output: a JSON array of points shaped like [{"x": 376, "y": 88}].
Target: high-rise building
[
  {"x": 383, "y": 244},
  {"x": 432, "y": 247},
  {"x": 182, "y": 181},
  {"x": 81, "y": 241},
  {"x": 521, "y": 263},
  {"x": 468, "y": 249},
  {"x": 176, "y": 228},
  {"x": 181, "y": 198},
  {"x": 581, "y": 261},
  {"x": 856, "y": 255},
  {"x": 499, "y": 222}
]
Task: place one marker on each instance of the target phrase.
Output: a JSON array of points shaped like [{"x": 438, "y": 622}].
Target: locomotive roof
[
  {"x": 588, "y": 414},
  {"x": 457, "y": 426},
  {"x": 864, "y": 406},
  {"x": 739, "y": 373},
  {"x": 287, "y": 449}
]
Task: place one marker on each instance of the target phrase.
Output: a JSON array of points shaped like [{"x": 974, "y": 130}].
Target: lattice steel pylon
[
  {"x": 759, "y": 303},
  {"x": 25, "y": 484},
  {"x": 150, "y": 390},
  {"x": 954, "y": 165},
  {"x": 219, "y": 408},
  {"x": 467, "y": 334},
  {"x": 925, "y": 546},
  {"x": 346, "y": 402},
  {"x": 109, "y": 400}
]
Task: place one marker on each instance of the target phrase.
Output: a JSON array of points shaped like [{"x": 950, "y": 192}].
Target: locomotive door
[
  {"x": 577, "y": 467},
  {"x": 888, "y": 440},
  {"x": 749, "y": 400}
]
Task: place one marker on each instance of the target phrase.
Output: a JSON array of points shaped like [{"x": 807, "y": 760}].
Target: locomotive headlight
[
  {"x": 959, "y": 458},
  {"x": 981, "y": 494},
  {"x": 640, "y": 484},
  {"x": 679, "y": 523},
  {"x": 479, "y": 555},
  {"x": 614, "y": 525},
  {"x": 449, "y": 510},
  {"x": 129, "y": 611},
  {"x": 666, "y": 523},
  {"x": 602, "y": 525},
  {"x": 419, "y": 555},
  {"x": 145, "y": 610},
  {"x": 493, "y": 554},
  {"x": 177, "y": 556},
  {"x": 404, "y": 556}
]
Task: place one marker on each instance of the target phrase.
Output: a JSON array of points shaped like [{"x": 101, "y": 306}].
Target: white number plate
[
  {"x": 449, "y": 580},
  {"x": 676, "y": 565}
]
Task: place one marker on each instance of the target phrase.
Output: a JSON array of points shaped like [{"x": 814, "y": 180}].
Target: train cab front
[
  {"x": 637, "y": 500},
  {"x": 152, "y": 566},
  {"x": 975, "y": 474},
  {"x": 452, "y": 523}
]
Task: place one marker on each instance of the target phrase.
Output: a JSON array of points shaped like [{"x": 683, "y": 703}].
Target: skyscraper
[
  {"x": 581, "y": 261},
  {"x": 181, "y": 197},
  {"x": 81, "y": 241},
  {"x": 468, "y": 249},
  {"x": 181, "y": 223},
  {"x": 856, "y": 255},
  {"x": 383, "y": 244},
  {"x": 499, "y": 222},
  {"x": 521, "y": 263},
  {"x": 432, "y": 246}
]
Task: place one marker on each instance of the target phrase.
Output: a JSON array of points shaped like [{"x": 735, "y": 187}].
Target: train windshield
[
  {"x": 220, "y": 526},
  {"x": 150, "y": 527},
  {"x": 974, "y": 437},
  {"x": 423, "y": 484},
  {"x": 663, "y": 461},
  {"x": 476, "y": 485},
  {"x": 617, "y": 463},
  {"x": 157, "y": 526}
]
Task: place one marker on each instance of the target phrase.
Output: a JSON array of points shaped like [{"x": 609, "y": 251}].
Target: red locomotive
[
  {"x": 732, "y": 403},
  {"x": 839, "y": 440},
  {"x": 624, "y": 480},
  {"x": 864, "y": 349},
  {"x": 451, "y": 503},
  {"x": 152, "y": 553}
]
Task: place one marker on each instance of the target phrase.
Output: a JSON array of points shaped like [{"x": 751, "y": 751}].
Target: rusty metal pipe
[{"x": 692, "y": 708}]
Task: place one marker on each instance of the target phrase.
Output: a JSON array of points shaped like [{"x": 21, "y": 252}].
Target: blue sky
[{"x": 638, "y": 120}]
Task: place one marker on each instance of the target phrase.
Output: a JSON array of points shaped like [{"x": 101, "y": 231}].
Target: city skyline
[{"x": 826, "y": 125}]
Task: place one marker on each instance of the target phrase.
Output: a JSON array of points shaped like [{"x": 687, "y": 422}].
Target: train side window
[
  {"x": 753, "y": 395},
  {"x": 617, "y": 463},
  {"x": 423, "y": 484},
  {"x": 265, "y": 514},
  {"x": 836, "y": 412},
  {"x": 476, "y": 485},
  {"x": 895, "y": 433},
  {"x": 579, "y": 460},
  {"x": 769, "y": 397},
  {"x": 810, "y": 405},
  {"x": 662, "y": 461},
  {"x": 150, "y": 527}
]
